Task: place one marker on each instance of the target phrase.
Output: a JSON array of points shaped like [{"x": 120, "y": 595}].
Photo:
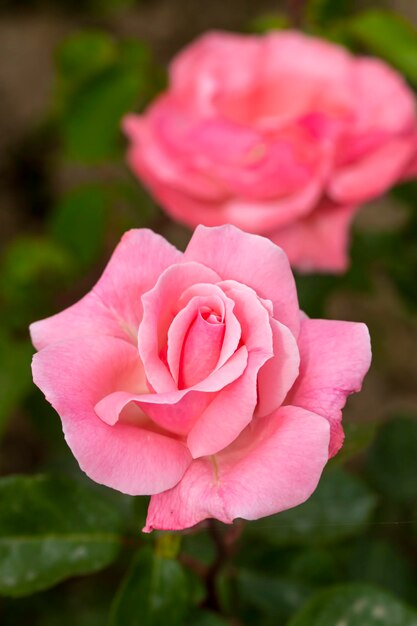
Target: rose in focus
[
  {"x": 193, "y": 377},
  {"x": 283, "y": 135}
]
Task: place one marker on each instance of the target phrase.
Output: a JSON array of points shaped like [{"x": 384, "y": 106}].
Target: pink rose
[
  {"x": 283, "y": 135},
  {"x": 194, "y": 378}
]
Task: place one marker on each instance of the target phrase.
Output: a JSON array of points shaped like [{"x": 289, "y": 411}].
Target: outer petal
[
  {"x": 217, "y": 65},
  {"x": 373, "y": 174},
  {"x": 277, "y": 376},
  {"x": 303, "y": 74},
  {"x": 377, "y": 86},
  {"x": 252, "y": 260},
  {"x": 113, "y": 307},
  {"x": 318, "y": 242},
  {"x": 168, "y": 158},
  {"x": 335, "y": 357},
  {"x": 74, "y": 376},
  {"x": 275, "y": 465}
]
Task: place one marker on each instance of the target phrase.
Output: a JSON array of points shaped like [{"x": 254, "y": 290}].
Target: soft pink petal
[
  {"x": 260, "y": 217},
  {"x": 410, "y": 171},
  {"x": 201, "y": 350},
  {"x": 180, "y": 327},
  {"x": 232, "y": 331},
  {"x": 161, "y": 148},
  {"x": 318, "y": 242},
  {"x": 160, "y": 306},
  {"x": 251, "y": 260},
  {"x": 373, "y": 174},
  {"x": 113, "y": 307},
  {"x": 277, "y": 376},
  {"x": 212, "y": 432},
  {"x": 275, "y": 465},
  {"x": 74, "y": 376},
  {"x": 230, "y": 411},
  {"x": 212, "y": 69},
  {"x": 335, "y": 357},
  {"x": 178, "y": 410},
  {"x": 377, "y": 86},
  {"x": 301, "y": 74}
]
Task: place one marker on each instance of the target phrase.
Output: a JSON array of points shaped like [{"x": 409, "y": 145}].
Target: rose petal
[
  {"x": 178, "y": 410},
  {"x": 251, "y": 260},
  {"x": 160, "y": 305},
  {"x": 212, "y": 432},
  {"x": 200, "y": 351},
  {"x": 123, "y": 456},
  {"x": 206, "y": 71},
  {"x": 335, "y": 357},
  {"x": 206, "y": 296},
  {"x": 113, "y": 307},
  {"x": 277, "y": 376},
  {"x": 373, "y": 174},
  {"x": 319, "y": 241},
  {"x": 275, "y": 465}
]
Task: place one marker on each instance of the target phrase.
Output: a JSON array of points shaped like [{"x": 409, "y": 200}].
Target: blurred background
[{"x": 69, "y": 70}]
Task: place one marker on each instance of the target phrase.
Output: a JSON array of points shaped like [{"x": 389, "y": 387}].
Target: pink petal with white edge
[
  {"x": 160, "y": 306},
  {"x": 251, "y": 260},
  {"x": 113, "y": 307},
  {"x": 74, "y": 377},
  {"x": 318, "y": 242},
  {"x": 277, "y": 376},
  {"x": 274, "y": 465},
  {"x": 335, "y": 357}
]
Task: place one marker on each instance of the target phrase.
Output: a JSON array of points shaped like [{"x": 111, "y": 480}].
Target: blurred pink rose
[
  {"x": 194, "y": 377},
  {"x": 283, "y": 135}
]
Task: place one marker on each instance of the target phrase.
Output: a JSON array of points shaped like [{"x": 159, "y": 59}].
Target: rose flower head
[
  {"x": 194, "y": 377},
  {"x": 283, "y": 135}
]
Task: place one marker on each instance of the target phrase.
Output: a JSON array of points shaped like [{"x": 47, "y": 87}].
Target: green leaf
[
  {"x": 313, "y": 291},
  {"x": 275, "y": 597},
  {"x": 389, "y": 36},
  {"x": 154, "y": 593},
  {"x": 91, "y": 126},
  {"x": 358, "y": 437},
  {"x": 354, "y": 605},
  {"x": 315, "y": 566},
  {"x": 322, "y": 12},
  {"x": 50, "y": 529},
  {"x": 206, "y": 618},
  {"x": 31, "y": 270},
  {"x": 381, "y": 563},
  {"x": 340, "y": 507},
  {"x": 79, "y": 223},
  {"x": 93, "y": 95},
  {"x": 82, "y": 55},
  {"x": 266, "y": 23},
  {"x": 392, "y": 460},
  {"x": 15, "y": 375}
]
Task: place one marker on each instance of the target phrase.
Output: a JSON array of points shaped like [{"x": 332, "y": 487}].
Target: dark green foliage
[
  {"x": 354, "y": 605},
  {"x": 154, "y": 593},
  {"x": 340, "y": 507},
  {"x": 50, "y": 529}
]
